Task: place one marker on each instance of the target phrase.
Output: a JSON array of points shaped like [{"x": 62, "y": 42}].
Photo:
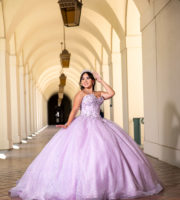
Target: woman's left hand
[
  {"x": 62, "y": 126},
  {"x": 97, "y": 76}
]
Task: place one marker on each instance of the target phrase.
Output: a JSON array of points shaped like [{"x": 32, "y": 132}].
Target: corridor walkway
[{"x": 17, "y": 161}]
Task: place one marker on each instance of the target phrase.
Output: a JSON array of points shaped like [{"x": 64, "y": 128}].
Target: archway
[{"x": 58, "y": 114}]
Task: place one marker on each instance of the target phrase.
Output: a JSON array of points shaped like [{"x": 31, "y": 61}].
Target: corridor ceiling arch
[
  {"x": 34, "y": 38},
  {"x": 38, "y": 34},
  {"x": 42, "y": 63},
  {"x": 75, "y": 64},
  {"x": 51, "y": 74},
  {"x": 48, "y": 48},
  {"x": 21, "y": 9},
  {"x": 104, "y": 9}
]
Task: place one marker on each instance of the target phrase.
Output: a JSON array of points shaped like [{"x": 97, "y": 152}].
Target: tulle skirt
[{"x": 93, "y": 159}]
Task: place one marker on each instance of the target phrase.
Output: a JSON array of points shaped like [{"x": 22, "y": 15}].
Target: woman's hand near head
[
  {"x": 97, "y": 77},
  {"x": 109, "y": 91}
]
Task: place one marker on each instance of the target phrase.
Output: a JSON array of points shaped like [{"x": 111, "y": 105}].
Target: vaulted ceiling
[{"x": 38, "y": 30}]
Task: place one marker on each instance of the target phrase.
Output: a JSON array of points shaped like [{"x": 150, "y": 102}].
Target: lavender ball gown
[{"x": 93, "y": 159}]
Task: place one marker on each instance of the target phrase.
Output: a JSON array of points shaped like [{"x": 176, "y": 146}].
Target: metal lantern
[
  {"x": 65, "y": 58},
  {"x": 62, "y": 79},
  {"x": 71, "y": 12}
]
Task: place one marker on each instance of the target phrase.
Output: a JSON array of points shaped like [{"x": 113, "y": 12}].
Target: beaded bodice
[{"x": 90, "y": 105}]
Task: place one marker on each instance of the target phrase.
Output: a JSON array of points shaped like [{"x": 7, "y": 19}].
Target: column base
[
  {"x": 16, "y": 139},
  {"x": 167, "y": 154},
  {"x": 5, "y": 144}
]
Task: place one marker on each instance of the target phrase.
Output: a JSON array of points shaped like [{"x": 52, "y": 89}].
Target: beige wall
[{"x": 161, "y": 47}]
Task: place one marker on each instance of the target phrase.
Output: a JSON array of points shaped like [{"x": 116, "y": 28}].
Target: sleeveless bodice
[{"x": 90, "y": 105}]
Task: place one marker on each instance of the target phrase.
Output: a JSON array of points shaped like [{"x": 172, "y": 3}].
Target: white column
[
  {"x": 38, "y": 108},
  {"x": 34, "y": 106},
  {"x": 98, "y": 70},
  {"x": 16, "y": 136},
  {"x": 133, "y": 81},
  {"x": 110, "y": 72},
  {"x": 107, "y": 103},
  {"x": 5, "y": 122},
  {"x": 22, "y": 102},
  {"x": 116, "y": 78},
  {"x": 41, "y": 101},
  {"x": 44, "y": 111},
  {"x": 106, "y": 78},
  {"x": 31, "y": 103},
  {"x": 41, "y": 109},
  {"x": 117, "y": 86},
  {"x": 125, "y": 90},
  {"x": 27, "y": 100},
  {"x": 5, "y": 141}
]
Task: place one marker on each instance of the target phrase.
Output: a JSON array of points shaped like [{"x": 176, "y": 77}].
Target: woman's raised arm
[{"x": 109, "y": 91}]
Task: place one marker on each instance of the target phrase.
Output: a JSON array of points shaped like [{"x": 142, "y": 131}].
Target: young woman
[{"x": 90, "y": 158}]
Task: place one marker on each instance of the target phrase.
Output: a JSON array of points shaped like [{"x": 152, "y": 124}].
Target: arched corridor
[{"x": 134, "y": 45}]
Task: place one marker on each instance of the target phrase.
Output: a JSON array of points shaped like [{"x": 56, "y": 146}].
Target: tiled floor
[{"x": 17, "y": 161}]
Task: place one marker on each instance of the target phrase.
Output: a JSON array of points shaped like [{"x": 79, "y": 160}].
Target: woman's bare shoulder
[{"x": 79, "y": 94}]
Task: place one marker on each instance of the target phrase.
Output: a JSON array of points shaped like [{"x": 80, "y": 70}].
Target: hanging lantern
[
  {"x": 71, "y": 12},
  {"x": 62, "y": 79},
  {"x": 65, "y": 58},
  {"x": 65, "y": 55}
]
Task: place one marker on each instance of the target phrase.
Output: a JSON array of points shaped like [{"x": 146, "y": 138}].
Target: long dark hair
[{"x": 90, "y": 76}]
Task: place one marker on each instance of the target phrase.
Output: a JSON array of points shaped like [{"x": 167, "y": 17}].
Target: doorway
[{"x": 58, "y": 114}]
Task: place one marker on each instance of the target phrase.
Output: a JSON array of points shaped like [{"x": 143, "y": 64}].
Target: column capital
[
  {"x": 116, "y": 58},
  {"x": 115, "y": 53},
  {"x": 131, "y": 41}
]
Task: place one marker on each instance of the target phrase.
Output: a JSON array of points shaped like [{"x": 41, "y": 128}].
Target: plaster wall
[{"x": 161, "y": 47}]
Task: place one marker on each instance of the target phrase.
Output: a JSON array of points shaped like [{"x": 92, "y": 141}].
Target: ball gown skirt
[{"x": 92, "y": 159}]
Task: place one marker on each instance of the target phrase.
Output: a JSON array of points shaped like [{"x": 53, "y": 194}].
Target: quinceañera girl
[{"x": 90, "y": 158}]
